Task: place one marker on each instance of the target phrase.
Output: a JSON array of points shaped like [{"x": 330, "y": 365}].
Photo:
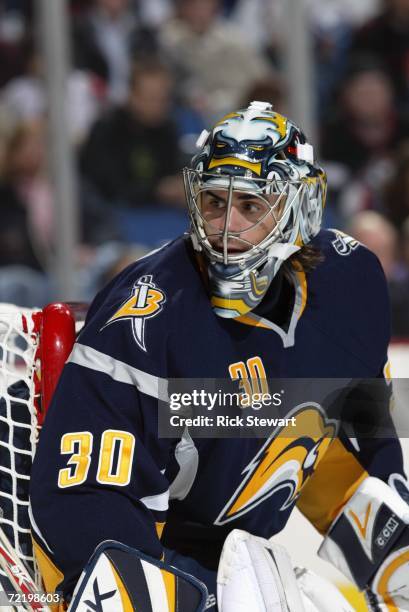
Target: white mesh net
[{"x": 18, "y": 424}]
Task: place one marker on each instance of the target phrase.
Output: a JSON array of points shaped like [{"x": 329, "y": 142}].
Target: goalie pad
[
  {"x": 255, "y": 574},
  {"x": 318, "y": 594},
  {"x": 118, "y": 578},
  {"x": 369, "y": 543}
]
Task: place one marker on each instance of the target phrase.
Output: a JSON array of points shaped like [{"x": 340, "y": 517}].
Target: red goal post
[{"x": 34, "y": 345}]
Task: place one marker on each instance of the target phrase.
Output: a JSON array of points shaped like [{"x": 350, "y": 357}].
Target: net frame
[{"x": 34, "y": 345}]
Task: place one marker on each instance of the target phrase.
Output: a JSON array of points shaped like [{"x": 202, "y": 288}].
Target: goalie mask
[{"x": 255, "y": 197}]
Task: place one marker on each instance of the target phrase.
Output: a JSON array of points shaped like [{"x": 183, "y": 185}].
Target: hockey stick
[{"x": 19, "y": 577}]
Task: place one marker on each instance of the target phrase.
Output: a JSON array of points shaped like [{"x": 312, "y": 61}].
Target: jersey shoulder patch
[
  {"x": 145, "y": 301},
  {"x": 343, "y": 244}
]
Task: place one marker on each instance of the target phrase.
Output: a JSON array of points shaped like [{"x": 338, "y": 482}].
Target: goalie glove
[{"x": 369, "y": 544}]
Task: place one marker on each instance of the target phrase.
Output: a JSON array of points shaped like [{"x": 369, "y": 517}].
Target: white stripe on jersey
[
  {"x": 88, "y": 357},
  {"x": 187, "y": 456},
  {"x": 158, "y": 502},
  {"x": 36, "y": 529}
]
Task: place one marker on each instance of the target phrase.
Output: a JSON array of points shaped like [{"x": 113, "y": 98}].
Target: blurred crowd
[{"x": 147, "y": 76}]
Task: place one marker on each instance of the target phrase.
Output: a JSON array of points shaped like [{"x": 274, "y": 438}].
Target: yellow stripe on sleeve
[{"x": 50, "y": 574}]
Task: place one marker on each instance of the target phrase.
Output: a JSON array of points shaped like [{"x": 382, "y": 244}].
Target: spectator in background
[
  {"x": 405, "y": 242},
  {"x": 396, "y": 190},
  {"x": 131, "y": 157},
  {"x": 26, "y": 199},
  {"x": 27, "y": 231},
  {"x": 260, "y": 21},
  {"x": 347, "y": 12},
  {"x": 271, "y": 89},
  {"x": 379, "y": 235},
  {"x": 153, "y": 13},
  {"x": 333, "y": 23},
  {"x": 386, "y": 37},
  {"x": 24, "y": 93},
  {"x": 107, "y": 40},
  {"x": 79, "y": 6},
  {"x": 212, "y": 62},
  {"x": 361, "y": 136},
  {"x": 263, "y": 23},
  {"x": 124, "y": 256},
  {"x": 25, "y": 96},
  {"x": 26, "y": 209},
  {"x": 14, "y": 28}
]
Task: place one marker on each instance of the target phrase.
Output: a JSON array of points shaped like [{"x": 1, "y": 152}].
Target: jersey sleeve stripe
[
  {"x": 51, "y": 575},
  {"x": 158, "y": 502},
  {"x": 187, "y": 456},
  {"x": 36, "y": 530},
  {"x": 119, "y": 371}
]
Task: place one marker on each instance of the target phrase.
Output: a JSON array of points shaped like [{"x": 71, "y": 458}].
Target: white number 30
[{"x": 115, "y": 458}]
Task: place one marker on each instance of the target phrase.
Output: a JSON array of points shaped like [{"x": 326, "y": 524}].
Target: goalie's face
[{"x": 237, "y": 221}]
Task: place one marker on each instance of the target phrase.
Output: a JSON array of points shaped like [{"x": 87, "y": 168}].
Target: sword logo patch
[{"x": 145, "y": 302}]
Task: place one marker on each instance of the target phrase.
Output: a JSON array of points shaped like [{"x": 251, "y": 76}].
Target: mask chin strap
[{"x": 235, "y": 292}]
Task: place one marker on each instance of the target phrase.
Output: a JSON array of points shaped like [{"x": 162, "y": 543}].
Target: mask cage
[{"x": 284, "y": 211}]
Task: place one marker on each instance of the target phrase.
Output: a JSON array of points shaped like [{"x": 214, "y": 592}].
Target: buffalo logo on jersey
[
  {"x": 344, "y": 244},
  {"x": 146, "y": 301},
  {"x": 284, "y": 463}
]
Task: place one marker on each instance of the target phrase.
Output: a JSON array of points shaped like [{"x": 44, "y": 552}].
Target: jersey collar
[{"x": 299, "y": 280}]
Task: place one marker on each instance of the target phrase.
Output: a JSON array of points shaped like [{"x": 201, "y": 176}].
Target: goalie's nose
[{"x": 236, "y": 221}]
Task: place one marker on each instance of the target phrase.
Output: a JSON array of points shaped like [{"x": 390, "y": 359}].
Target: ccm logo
[{"x": 389, "y": 529}]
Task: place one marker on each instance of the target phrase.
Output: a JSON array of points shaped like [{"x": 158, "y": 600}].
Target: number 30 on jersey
[{"x": 115, "y": 458}]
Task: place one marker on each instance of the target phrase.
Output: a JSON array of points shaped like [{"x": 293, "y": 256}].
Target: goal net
[{"x": 34, "y": 345}]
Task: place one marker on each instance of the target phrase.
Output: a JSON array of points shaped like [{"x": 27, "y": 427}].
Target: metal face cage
[{"x": 263, "y": 204}]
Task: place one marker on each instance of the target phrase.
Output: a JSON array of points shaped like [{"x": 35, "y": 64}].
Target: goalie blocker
[
  {"x": 369, "y": 544},
  {"x": 118, "y": 578}
]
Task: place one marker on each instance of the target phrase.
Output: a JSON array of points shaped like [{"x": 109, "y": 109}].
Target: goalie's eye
[
  {"x": 220, "y": 145},
  {"x": 257, "y": 147}
]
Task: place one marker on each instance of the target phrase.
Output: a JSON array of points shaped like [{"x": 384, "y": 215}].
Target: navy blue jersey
[{"x": 101, "y": 470}]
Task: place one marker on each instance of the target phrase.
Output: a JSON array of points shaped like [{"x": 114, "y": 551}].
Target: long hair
[{"x": 305, "y": 260}]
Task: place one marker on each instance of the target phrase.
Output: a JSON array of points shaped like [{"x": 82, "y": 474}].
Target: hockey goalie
[{"x": 126, "y": 519}]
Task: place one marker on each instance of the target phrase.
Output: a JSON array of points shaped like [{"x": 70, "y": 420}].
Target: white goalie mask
[{"x": 255, "y": 197}]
